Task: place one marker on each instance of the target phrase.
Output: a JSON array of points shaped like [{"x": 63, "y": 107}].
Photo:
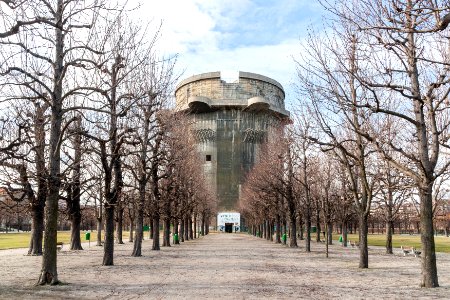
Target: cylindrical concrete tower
[{"x": 230, "y": 121}]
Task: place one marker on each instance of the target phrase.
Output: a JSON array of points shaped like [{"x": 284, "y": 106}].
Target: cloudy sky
[{"x": 258, "y": 36}]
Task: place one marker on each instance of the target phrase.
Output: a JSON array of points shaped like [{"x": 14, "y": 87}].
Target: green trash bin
[
  {"x": 175, "y": 237},
  {"x": 87, "y": 235},
  {"x": 284, "y": 237}
]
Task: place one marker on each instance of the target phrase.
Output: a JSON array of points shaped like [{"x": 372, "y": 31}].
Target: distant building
[
  {"x": 228, "y": 222},
  {"x": 442, "y": 216},
  {"x": 231, "y": 120},
  {"x": 14, "y": 213}
]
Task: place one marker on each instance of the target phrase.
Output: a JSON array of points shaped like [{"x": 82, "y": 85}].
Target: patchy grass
[
  {"x": 22, "y": 240},
  {"x": 442, "y": 242}
]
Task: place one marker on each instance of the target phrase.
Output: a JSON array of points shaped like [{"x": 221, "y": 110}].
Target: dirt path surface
[{"x": 222, "y": 266}]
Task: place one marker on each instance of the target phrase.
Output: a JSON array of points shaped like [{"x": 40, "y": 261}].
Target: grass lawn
[
  {"x": 442, "y": 242},
  {"x": 22, "y": 240}
]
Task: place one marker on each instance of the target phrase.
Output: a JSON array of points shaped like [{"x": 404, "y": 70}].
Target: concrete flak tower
[{"x": 230, "y": 122}]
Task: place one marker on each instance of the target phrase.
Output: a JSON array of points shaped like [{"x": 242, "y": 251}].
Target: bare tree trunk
[
  {"x": 38, "y": 205},
  {"x": 195, "y": 226},
  {"x": 271, "y": 224},
  {"x": 363, "y": 250},
  {"x": 182, "y": 229},
  {"x": 330, "y": 233},
  {"x": 191, "y": 234},
  {"x": 291, "y": 201},
  {"x": 270, "y": 229},
  {"x": 166, "y": 232},
  {"x": 202, "y": 225},
  {"x": 119, "y": 231},
  {"x": 75, "y": 185},
  {"x": 150, "y": 232},
  {"x": 308, "y": 230},
  {"x": 100, "y": 221},
  {"x": 113, "y": 181},
  {"x": 137, "y": 246},
  {"x": 429, "y": 269},
  {"x": 37, "y": 228},
  {"x": 108, "y": 254},
  {"x": 326, "y": 240},
  {"x": 49, "y": 273},
  {"x": 344, "y": 234},
  {"x": 131, "y": 237},
  {"x": 278, "y": 230},
  {"x": 176, "y": 232},
  {"x": 293, "y": 229},
  {"x": 319, "y": 229},
  {"x": 389, "y": 232},
  {"x": 155, "y": 228},
  {"x": 264, "y": 229},
  {"x": 186, "y": 228},
  {"x": 75, "y": 239},
  {"x": 301, "y": 229}
]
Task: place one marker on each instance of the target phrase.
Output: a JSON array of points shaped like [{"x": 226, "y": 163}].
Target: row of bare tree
[
  {"x": 296, "y": 185},
  {"x": 84, "y": 115},
  {"x": 375, "y": 88}
]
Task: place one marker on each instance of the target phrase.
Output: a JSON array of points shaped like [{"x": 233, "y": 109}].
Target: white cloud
[
  {"x": 216, "y": 35},
  {"x": 184, "y": 24}
]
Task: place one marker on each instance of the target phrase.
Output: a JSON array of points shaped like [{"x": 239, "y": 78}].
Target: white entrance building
[{"x": 229, "y": 222}]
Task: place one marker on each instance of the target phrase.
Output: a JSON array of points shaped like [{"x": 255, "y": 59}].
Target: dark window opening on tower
[{"x": 208, "y": 157}]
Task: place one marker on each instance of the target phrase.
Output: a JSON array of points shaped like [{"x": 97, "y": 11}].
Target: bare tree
[
  {"x": 394, "y": 191},
  {"x": 156, "y": 82},
  {"x": 114, "y": 95},
  {"x": 269, "y": 184},
  {"x": 406, "y": 51},
  {"x": 94, "y": 192},
  {"x": 73, "y": 186},
  {"x": 15, "y": 17},
  {"x": 182, "y": 159},
  {"x": 61, "y": 34},
  {"x": 326, "y": 188},
  {"x": 29, "y": 126},
  {"x": 326, "y": 78},
  {"x": 304, "y": 151},
  {"x": 37, "y": 206}
]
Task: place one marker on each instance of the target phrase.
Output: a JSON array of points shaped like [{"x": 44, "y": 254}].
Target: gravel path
[{"x": 222, "y": 266}]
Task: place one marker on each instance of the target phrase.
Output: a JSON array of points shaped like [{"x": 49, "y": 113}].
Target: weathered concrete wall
[
  {"x": 231, "y": 120},
  {"x": 210, "y": 90}
]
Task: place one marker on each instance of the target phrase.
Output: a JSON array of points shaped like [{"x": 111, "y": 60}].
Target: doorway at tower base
[{"x": 229, "y": 222}]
